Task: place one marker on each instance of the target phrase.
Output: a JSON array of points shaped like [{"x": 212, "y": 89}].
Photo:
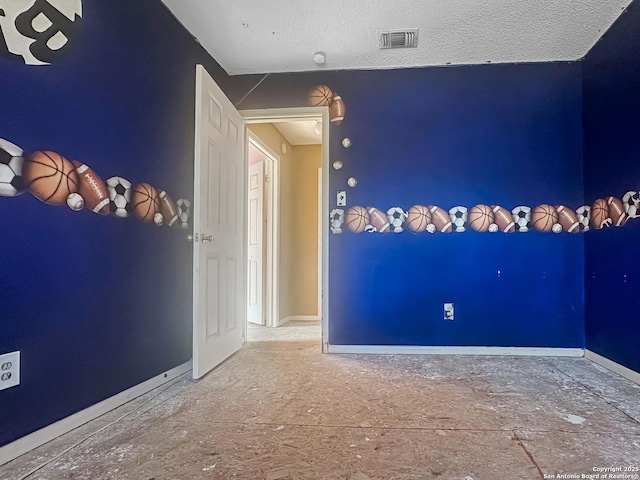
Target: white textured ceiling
[
  {"x": 300, "y": 132},
  {"x": 258, "y": 36}
]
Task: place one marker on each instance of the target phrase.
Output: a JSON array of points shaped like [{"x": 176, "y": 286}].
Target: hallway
[{"x": 280, "y": 409}]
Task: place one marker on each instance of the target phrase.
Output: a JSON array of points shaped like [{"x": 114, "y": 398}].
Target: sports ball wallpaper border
[
  {"x": 56, "y": 181},
  {"x": 481, "y": 218}
]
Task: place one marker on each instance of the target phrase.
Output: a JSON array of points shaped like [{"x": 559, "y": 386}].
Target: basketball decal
[
  {"x": 418, "y": 217},
  {"x": 320, "y": 96},
  {"x": 481, "y": 218},
  {"x": 544, "y": 217},
  {"x": 50, "y": 177},
  {"x": 357, "y": 219},
  {"x": 39, "y": 32},
  {"x": 600, "y": 214},
  {"x": 144, "y": 199}
]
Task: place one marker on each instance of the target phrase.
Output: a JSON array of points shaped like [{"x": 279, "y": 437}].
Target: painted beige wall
[
  {"x": 307, "y": 160},
  {"x": 298, "y": 234}
]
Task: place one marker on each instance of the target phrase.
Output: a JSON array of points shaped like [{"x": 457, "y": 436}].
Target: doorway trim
[
  {"x": 277, "y": 115},
  {"x": 272, "y": 189}
]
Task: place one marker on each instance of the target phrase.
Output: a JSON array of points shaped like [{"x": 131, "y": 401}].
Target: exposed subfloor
[{"x": 280, "y": 409}]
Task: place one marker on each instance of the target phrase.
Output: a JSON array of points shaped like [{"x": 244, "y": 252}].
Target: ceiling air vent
[{"x": 407, "y": 38}]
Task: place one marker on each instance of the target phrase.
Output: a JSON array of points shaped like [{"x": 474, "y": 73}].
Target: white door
[
  {"x": 256, "y": 204},
  {"x": 218, "y": 221}
]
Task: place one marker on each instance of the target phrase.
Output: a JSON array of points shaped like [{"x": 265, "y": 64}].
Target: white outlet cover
[
  {"x": 10, "y": 365},
  {"x": 341, "y": 198}
]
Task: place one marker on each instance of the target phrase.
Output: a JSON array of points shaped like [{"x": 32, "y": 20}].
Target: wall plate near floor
[{"x": 9, "y": 370}]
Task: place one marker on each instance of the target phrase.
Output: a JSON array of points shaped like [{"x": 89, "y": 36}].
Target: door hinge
[{"x": 266, "y": 178}]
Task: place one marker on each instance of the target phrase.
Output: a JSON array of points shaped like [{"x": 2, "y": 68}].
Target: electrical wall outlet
[
  {"x": 9, "y": 370},
  {"x": 341, "y": 198},
  {"x": 448, "y": 311}
]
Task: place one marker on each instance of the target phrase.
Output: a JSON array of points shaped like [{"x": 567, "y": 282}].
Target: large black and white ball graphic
[
  {"x": 38, "y": 32},
  {"x": 11, "y": 160},
  {"x": 119, "y": 196}
]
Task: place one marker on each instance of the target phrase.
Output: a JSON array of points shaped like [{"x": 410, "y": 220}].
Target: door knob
[{"x": 206, "y": 238}]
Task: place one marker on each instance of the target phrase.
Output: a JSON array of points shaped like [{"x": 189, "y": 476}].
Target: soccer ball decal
[
  {"x": 337, "y": 220},
  {"x": 396, "y": 217},
  {"x": 458, "y": 217},
  {"x": 184, "y": 210},
  {"x": 11, "y": 160},
  {"x": 119, "y": 196},
  {"x": 631, "y": 202},
  {"x": 584, "y": 218},
  {"x": 38, "y": 32},
  {"x": 522, "y": 218}
]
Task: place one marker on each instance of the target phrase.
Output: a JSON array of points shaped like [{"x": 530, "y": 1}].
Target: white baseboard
[
  {"x": 53, "y": 431},
  {"x": 299, "y": 318},
  {"x": 419, "y": 350},
  {"x": 613, "y": 366}
]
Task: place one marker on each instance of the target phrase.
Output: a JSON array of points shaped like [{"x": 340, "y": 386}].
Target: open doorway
[{"x": 285, "y": 156}]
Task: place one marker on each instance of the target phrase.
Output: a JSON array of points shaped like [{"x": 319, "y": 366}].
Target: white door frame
[
  {"x": 276, "y": 115},
  {"x": 272, "y": 188}
]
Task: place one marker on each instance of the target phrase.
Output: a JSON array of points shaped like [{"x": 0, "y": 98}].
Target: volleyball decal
[
  {"x": 54, "y": 180},
  {"x": 38, "y": 32}
]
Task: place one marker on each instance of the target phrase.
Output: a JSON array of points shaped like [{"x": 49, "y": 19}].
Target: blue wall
[
  {"x": 98, "y": 304},
  {"x": 611, "y": 74},
  {"x": 499, "y": 134}
]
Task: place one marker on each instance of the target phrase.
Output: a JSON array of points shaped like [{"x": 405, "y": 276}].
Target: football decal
[
  {"x": 168, "y": 209},
  {"x": 503, "y": 219},
  {"x": 11, "y": 161},
  {"x": 336, "y": 219},
  {"x": 50, "y": 177},
  {"x": 144, "y": 199},
  {"x": 568, "y": 219},
  {"x": 92, "y": 189},
  {"x": 397, "y": 217},
  {"x": 336, "y": 110},
  {"x": 617, "y": 211},
  {"x": 378, "y": 221},
  {"x": 119, "y": 196},
  {"x": 459, "y": 216},
  {"x": 544, "y": 217},
  {"x": 38, "y": 32},
  {"x": 440, "y": 219},
  {"x": 184, "y": 207},
  {"x": 418, "y": 217},
  {"x": 522, "y": 218}
]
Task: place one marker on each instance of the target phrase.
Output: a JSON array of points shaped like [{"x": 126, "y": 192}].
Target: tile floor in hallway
[{"x": 280, "y": 409}]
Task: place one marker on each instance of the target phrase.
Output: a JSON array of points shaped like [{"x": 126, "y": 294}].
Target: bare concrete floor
[{"x": 280, "y": 409}]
